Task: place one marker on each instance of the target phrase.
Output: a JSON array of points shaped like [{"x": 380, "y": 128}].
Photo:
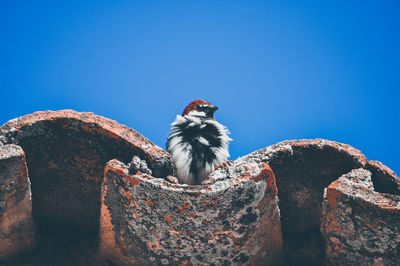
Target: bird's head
[{"x": 200, "y": 108}]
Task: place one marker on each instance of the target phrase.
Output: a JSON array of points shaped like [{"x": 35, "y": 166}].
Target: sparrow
[{"x": 197, "y": 142}]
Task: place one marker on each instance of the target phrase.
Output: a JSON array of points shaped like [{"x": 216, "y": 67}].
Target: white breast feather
[{"x": 181, "y": 152}]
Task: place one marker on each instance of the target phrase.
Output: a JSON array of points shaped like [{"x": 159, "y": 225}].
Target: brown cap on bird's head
[{"x": 194, "y": 105}]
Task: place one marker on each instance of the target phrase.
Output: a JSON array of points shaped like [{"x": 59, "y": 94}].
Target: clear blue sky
[{"x": 277, "y": 69}]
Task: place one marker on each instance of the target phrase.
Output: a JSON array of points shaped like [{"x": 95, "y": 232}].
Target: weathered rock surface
[
  {"x": 360, "y": 226},
  {"x": 303, "y": 169},
  {"x": 88, "y": 194},
  {"x": 148, "y": 221},
  {"x": 66, "y": 152},
  {"x": 17, "y": 231}
]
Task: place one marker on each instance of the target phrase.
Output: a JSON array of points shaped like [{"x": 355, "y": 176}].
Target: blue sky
[{"x": 277, "y": 69}]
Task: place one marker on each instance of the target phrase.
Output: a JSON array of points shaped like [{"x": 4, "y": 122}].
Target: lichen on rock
[
  {"x": 208, "y": 224},
  {"x": 107, "y": 184},
  {"x": 360, "y": 225}
]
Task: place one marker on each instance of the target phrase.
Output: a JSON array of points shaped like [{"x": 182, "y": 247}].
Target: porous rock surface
[
  {"x": 86, "y": 189},
  {"x": 148, "y": 221},
  {"x": 360, "y": 225},
  {"x": 17, "y": 232},
  {"x": 66, "y": 152},
  {"x": 303, "y": 169}
]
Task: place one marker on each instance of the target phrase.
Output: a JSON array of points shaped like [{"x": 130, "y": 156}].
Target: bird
[{"x": 197, "y": 142}]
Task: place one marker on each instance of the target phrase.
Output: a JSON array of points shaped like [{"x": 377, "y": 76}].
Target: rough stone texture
[
  {"x": 303, "y": 168},
  {"x": 17, "y": 231},
  {"x": 360, "y": 226},
  {"x": 149, "y": 221},
  {"x": 66, "y": 153},
  {"x": 234, "y": 218}
]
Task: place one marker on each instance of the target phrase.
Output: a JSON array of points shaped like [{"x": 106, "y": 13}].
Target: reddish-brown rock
[
  {"x": 69, "y": 155},
  {"x": 303, "y": 168},
  {"x": 147, "y": 220},
  {"x": 66, "y": 152},
  {"x": 17, "y": 231},
  {"x": 360, "y": 225}
]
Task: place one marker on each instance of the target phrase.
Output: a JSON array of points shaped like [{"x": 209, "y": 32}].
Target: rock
[
  {"x": 360, "y": 226},
  {"x": 144, "y": 168},
  {"x": 17, "y": 230},
  {"x": 234, "y": 221},
  {"x": 96, "y": 181},
  {"x": 2, "y": 140},
  {"x": 134, "y": 165},
  {"x": 66, "y": 154},
  {"x": 138, "y": 165},
  {"x": 303, "y": 169}
]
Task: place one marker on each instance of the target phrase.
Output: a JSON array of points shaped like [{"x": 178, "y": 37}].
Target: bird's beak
[{"x": 213, "y": 108}]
